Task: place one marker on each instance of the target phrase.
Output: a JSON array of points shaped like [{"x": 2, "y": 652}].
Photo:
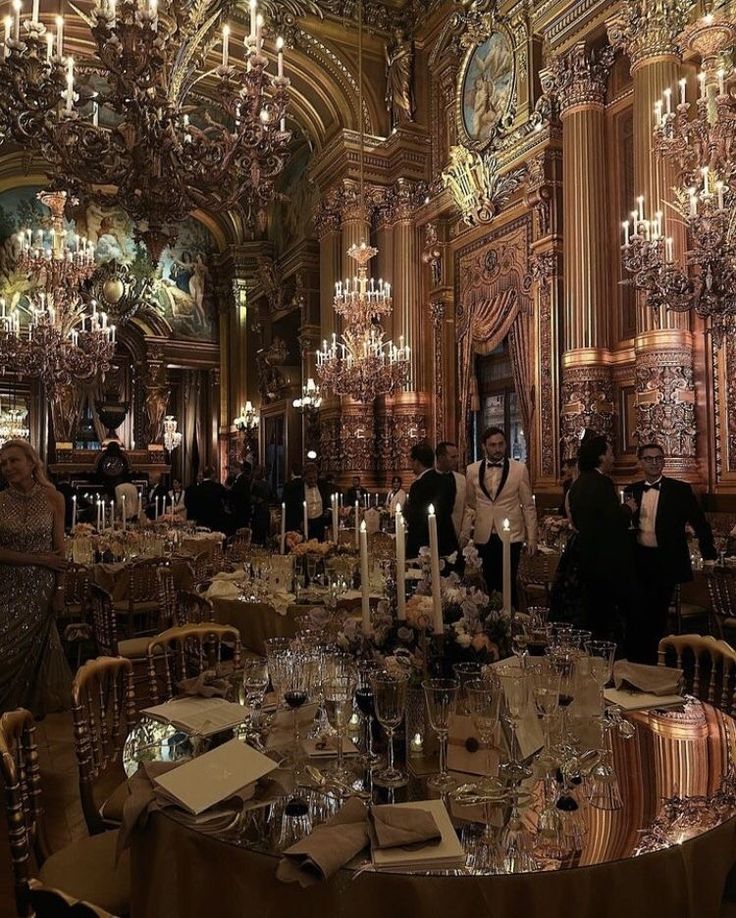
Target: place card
[
  {"x": 442, "y": 855},
  {"x": 465, "y": 751},
  {"x": 201, "y": 716},
  {"x": 214, "y": 776}
]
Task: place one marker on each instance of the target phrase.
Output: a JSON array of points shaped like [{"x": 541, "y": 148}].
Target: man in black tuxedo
[
  {"x": 429, "y": 487},
  {"x": 293, "y": 497},
  {"x": 313, "y": 491},
  {"x": 356, "y": 492},
  {"x": 665, "y": 507},
  {"x": 240, "y": 497},
  {"x": 209, "y": 501}
]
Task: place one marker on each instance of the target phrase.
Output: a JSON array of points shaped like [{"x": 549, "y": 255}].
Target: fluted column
[
  {"x": 587, "y": 386},
  {"x": 406, "y": 279},
  {"x": 665, "y": 389},
  {"x": 327, "y": 227}
]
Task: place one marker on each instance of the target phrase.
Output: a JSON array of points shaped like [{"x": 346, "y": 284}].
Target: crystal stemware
[
  {"x": 440, "y": 696},
  {"x": 603, "y": 789},
  {"x": 519, "y": 635},
  {"x": 515, "y": 685},
  {"x": 465, "y": 673},
  {"x": 339, "y": 689},
  {"x": 389, "y": 694},
  {"x": 365, "y": 702},
  {"x": 545, "y": 687},
  {"x": 255, "y": 683}
]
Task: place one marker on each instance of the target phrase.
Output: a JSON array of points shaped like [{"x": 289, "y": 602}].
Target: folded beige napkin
[
  {"x": 330, "y": 846},
  {"x": 210, "y": 683},
  {"x": 402, "y": 827},
  {"x": 223, "y": 589},
  {"x": 656, "y": 680}
]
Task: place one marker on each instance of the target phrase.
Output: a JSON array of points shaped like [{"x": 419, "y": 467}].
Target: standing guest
[
  {"x": 665, "y": 507},
  {"x": 396, "y": 497},
  {"x": 240, "y": 507},
  {"x": 447, "y": 461},
  {"x": 33, "y": 670},
  {"x": 497, "y": 489},
  {"x": 356, "y": 492},
  {"x": 176, "y": 497},
  {"x": 429, "y": 487},
  {"x": 261, "y": 496},
  {"x": 293, "y": 497},
  {"x": 211, "y": 501},
  {"x": 191, "y": 493},
  {"x": 331, "y": 485},
  {"x": 570, "y": 473},
  {"x": 318, "y": 503},
  {"x": 604, "y": 545}
]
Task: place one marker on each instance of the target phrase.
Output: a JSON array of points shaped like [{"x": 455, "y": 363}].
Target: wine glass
[
  {"x": 545, "y": 684},
  {"x": 441, "y": 698},
  {"x": 365, "y": 702},
  {"x": 603, "y": 791},
  {"x": 515, "y": 686},
  {"x": 255, "y": 683},
  {"x": 274, "y": 647},
  {"x": 519, "y": 636},
  {"x": 339, "y": 689},
  {"x": 389, "y": 694},
  {"x": 296, "y": 687},
  {"x": 465, "y": 673}
]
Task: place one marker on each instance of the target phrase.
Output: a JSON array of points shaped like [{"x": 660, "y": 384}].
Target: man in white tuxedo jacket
[
  {"x": 447, "y": 458},
  {"x": 497, "y": 489}
]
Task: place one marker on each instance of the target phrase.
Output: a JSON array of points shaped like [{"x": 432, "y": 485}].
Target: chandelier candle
[
  {"x": 365, "y": 580},
  {"x": 400, "y": 565},
  {"x": 434, "y": 556},
  {"x": 506, "y": 539}
]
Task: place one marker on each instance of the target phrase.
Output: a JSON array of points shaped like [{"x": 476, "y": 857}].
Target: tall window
[{"x": 498, "y": 405}]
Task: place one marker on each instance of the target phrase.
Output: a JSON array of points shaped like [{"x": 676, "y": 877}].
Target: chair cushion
[
  {"x": 86, "y": 869},
  {"x": 112, "y": 808}
]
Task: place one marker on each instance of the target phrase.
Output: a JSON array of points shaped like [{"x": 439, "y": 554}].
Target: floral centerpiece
[{"x": 312, "y": 547}]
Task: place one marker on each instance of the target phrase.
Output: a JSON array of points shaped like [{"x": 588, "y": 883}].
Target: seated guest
[
  {"x": 356, "y": 492},
  {"x": 429, "y": 487},
  {"x": 210, "y": 501},
  {"x": 176, "y": 497},
  {"x": 157, "y": 497},
  {"x": 396, "y": 497},
  {"x": 665, "y": 507}
]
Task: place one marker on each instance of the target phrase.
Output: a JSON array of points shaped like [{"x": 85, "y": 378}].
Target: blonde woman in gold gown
[{"x": 33, "y": 670}]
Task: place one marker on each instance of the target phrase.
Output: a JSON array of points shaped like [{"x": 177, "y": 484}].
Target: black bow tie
[
  {"x": 651, "y": 487},
  {"x": 495, "y": 465}
]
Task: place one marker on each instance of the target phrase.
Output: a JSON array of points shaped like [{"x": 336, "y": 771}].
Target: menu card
[
  {"x": 214, "y": 776},
  {"x": 203, "y": 716},
  {"x": 442, "y": 855}
]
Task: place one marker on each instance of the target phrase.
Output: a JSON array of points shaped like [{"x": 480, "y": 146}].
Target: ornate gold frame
[{"x": 473, "y": 39}]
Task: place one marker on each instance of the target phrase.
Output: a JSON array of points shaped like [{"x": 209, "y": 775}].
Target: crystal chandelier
[
  {"x": 699, "y": 139},
  {"x": 63, "y": 338},
  {"x": 311, "y": 399},
  {"x": 172, "y": 437},
  {"x": 363, "y": 365},
  {"x": 140, "y": 136},
  {"x": 13, "y": 424}
]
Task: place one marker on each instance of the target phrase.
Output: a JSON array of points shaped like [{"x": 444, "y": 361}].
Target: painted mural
[
  {"x": 180, "y": 288},
  {"x": 486, "y": 90}
]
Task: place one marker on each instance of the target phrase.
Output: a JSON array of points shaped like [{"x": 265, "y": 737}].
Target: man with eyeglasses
[{"x": 665, "y": 507}]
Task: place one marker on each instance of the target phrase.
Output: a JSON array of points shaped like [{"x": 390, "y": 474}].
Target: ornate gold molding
[
  {"x": 586, "y": 357},
  {"x": 648, "y": 30},
  {"x": 581, "y": 76}
]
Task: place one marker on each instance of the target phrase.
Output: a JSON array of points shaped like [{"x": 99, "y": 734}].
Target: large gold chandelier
[
  {"x": 128, "y": 126},
  {"x": 58, "y": 336},
  {"x": 363, "y": 365},
  {"x": 699, "y": 139}
]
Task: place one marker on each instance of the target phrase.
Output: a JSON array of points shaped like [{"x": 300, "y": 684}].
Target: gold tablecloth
[
  {"x": 177, "y": 868},
  {"x": 111, "y": 577},
  {"x": 194, "y": 545},
  {"x": 257, "y": 621}
]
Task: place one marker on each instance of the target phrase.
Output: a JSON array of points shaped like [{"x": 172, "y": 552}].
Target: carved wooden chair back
[
  {"x": 187, "y": 651},
  {"x": 536, "y": 574},
  {"x": 144, "y": 614},
  {"x": 168, "y": 597},
  {"x": 709, "y": 666},
  {"x": 381, "y": 546},
  {"x": 193, "y": 609},
  {"x": 722, "y": 589},
  {"x": 104, "y": 621},
  {"x": 77, "y": 579},
  {"x": 23, "y": 799},
  {"x": 104, "y": 710}
]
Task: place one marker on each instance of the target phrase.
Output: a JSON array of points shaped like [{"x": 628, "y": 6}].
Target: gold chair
[
  {"x": 85, "y": 869},
  {"x": 722, "y": 589},
  {"x": 103, "y": 708},
  {"x": 193, "y": 609},
  {"x": 168, "y": 597},
  {"x": 141, "y": 609},
  {"x": 709, "y": 666},
  {"x": 74, "y": 625},
  {"x": 188, "y": 651},
  {"x": 535, "y": 577}
]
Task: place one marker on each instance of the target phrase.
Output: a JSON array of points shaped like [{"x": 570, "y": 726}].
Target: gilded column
[
  {"x": 405, "y": 279},
  {"x": 665, "y": 389},
  {"x": 587, "y": 386}
]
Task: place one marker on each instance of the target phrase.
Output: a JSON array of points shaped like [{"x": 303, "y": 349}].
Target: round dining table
[{"x": 181, "y": 871}]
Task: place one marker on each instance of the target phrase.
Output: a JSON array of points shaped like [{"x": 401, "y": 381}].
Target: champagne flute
[
  {"x": 389, "y": 693},
  {"x": 603, "y": 791},
  {"x": 255, "y": 683},
  {"x": 515, "y": 685},
  {"x": 441, "y": 699},
  {"x": 465, "y": 673},
  {"x": 519, "y": 636},
  {"x": 546, "y": 694},
  {"x": 339, "y": 690},
  {"x": 365, "y": 702}
]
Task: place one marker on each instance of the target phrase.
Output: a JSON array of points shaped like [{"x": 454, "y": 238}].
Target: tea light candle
[{"x": 416, "y": 744}]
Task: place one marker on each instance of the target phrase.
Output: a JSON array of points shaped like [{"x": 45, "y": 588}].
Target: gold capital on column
[
  {"x": 581, "y": 76},
  {"x": 648, "y": 30}
]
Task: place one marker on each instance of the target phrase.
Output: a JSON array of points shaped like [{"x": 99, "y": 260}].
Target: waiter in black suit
[
  {"x": 315, "y": 493},
  {"x": 666, "y": 506},
  {"x": 429, "y": 487}
]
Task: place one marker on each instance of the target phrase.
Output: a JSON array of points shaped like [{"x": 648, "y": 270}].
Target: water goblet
[
  {"x": 440, "y": 696},
  {"x": 339, "y": 689},
  {"x": 515, "y": 686},
  {"x": 389, "y": 694}
]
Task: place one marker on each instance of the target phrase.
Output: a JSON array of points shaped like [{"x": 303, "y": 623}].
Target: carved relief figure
[
  {"x": 157, "y": 400},
  {"x": 271, "y": 381},
  {"x": 399, "y": 79}
]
